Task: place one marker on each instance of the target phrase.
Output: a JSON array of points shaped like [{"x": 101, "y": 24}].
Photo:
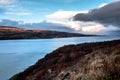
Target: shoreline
[
  {"x": 41, "y": 63},
  {"x": 14, "y": 33}
]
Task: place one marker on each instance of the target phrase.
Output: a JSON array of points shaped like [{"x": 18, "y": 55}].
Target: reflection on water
[{"x": 16, "y": 55}]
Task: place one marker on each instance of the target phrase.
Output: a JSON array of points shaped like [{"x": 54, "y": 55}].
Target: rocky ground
[{"x": 88, "y": 61}]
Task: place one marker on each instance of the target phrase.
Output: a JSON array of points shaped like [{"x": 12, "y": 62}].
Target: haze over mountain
[
  {"x": 99, "y": 17},
  {"x": 41, "y": 25},
  {"x": 43, "y": 19}
]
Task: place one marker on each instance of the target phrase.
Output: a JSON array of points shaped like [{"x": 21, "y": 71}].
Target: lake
[{"x": 17, "y": 55}]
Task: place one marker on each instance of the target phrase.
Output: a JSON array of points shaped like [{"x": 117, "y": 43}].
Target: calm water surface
[{"x": 17, "y": 55}]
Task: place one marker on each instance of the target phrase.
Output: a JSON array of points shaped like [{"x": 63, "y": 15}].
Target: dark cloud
[{"x": 108, "y": 14}]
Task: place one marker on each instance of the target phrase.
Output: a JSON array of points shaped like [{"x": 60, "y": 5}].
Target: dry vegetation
[
  {"x": 88, "y": 61},
  {"x": 99, "y": 65}
]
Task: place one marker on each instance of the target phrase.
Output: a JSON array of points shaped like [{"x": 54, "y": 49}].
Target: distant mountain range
[{"x": 7, "y": 32}]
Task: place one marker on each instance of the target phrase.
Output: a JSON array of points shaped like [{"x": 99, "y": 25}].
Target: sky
[
  {"x": 64, "y": 13},
  {"x": 37, "y": 10}
]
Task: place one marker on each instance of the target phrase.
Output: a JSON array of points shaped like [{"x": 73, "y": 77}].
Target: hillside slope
[
  {"x": 20, "y": 33},
  {"x": 88, "y": 61}
]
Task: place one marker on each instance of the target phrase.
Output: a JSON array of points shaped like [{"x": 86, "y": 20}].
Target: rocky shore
[{"x": 87, "y": 61}]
